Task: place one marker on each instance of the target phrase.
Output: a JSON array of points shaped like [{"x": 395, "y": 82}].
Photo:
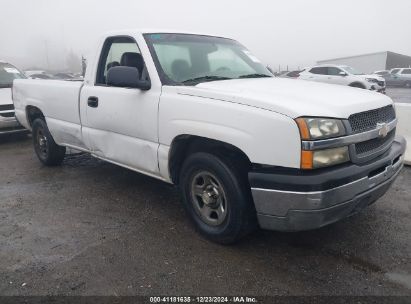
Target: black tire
[
  {"x": 48, "y": 152},
  {"x": 234, "y": 196},
  {"x": 357, "y": 85},
  {"x": 407, "y": 84}
]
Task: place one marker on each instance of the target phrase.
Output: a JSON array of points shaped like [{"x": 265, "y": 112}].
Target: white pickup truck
[{"x": 203, "y": 113}]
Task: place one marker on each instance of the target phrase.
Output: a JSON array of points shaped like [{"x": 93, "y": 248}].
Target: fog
[{"x": 52, "y": 34}]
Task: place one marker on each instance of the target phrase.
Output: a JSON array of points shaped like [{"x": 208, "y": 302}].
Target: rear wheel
[
  {"x": 407, "y": 84},
  {"x": 48, "y": 152},
  {"x": 217, "y": 198}
]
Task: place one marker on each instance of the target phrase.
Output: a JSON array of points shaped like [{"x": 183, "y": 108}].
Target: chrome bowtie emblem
[{"x": 383, "y": 129}]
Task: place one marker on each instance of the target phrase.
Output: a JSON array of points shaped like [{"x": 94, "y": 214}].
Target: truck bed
[{"x": 59, "y": 102}]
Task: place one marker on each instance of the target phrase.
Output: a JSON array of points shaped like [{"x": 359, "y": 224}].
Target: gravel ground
[{"x": 91, "y": 228}]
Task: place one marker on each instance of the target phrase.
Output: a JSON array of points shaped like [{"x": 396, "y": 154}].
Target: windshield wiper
[
  {"x": 255, "y": 76},
  {"x": 205, "y": 78}
]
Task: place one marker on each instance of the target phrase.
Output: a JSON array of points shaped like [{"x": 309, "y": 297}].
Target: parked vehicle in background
[
  {"x": 400, "y": 77},
  {"x": 78, "y": 76},
  {"x": 204, "y": 113},
  {"x": 382, "y": 73},
  {"x": 41, "y": 76},
  {"x": 38, "y": 74},
  {"x": 281, "y": 73},
  {"x": 292, "y": 74},
  {"x": 29, "y": 73},
  {"x": 344, "y": 75},
  {"x": 64, "y": 76},
  {"x": 8, "y": 122}
]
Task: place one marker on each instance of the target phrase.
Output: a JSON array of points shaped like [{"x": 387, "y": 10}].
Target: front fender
[{"x": 266, "y": 137}]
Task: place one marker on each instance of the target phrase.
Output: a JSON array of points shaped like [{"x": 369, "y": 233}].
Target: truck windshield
[
  {"x": 190, "y": 59},
  {"x": 7, "y": 74}
]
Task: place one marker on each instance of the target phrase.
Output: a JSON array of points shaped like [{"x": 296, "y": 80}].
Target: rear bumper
[
  {"x": 297, "y": 201},
  {"x": 10, "y": 125}
]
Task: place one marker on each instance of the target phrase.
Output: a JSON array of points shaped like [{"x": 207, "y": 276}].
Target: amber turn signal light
[
  {"x": 302, "y": 125},
  {"x": 307, "y": 160}
]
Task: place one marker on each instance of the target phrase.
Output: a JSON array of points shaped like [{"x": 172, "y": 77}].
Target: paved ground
[
  {"x": 400, "y": 94},
  {"x": 91, "y": 228}
]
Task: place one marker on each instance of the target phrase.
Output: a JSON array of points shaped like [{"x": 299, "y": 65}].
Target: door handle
[{"x": 92, "y": 102}]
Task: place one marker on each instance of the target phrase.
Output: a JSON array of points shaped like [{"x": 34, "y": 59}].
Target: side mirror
[
  {"x": 126, "y": 77},
  {"x": 343, "y": 74}
]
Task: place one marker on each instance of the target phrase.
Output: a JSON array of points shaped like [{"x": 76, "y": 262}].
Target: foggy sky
[{"x": 287, "y": 32}]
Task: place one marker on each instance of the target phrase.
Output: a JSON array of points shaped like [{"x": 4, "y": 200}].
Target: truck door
[{"x": 121, "y": 123}]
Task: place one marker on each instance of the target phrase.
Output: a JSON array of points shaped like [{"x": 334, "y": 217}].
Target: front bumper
[
  {"x": 382, "y": 90},
  {"x": 10, "y": 125},
  {"x": 377, "y": 88},
  {"x": 297, "y": 200}
]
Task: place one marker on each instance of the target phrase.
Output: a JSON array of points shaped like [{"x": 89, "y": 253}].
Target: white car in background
[
  {"x": 8, "y": 122},
  {"x": 382, "y": 73},
  {"x": 344, "y": 75},
  {"x": 401, "y": 71}
]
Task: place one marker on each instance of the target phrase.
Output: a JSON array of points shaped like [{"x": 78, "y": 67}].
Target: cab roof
[{"x": 159, "y": 31}]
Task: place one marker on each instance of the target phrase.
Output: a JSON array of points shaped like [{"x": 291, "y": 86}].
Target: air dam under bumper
[{"x": 297, "y": 201}]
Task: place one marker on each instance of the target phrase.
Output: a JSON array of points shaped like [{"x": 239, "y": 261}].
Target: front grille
[
  {"x": 373, "y": 145},
  {"x": 381, "y": 83},
  {"x": 7, "y": 107},
  {"x": 367, "y": 121}
]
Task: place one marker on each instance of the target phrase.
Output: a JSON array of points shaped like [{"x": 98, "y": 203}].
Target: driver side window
[
  {"x": 333, "y": 71},
  {"x": 119, "y": 51},
  {"x": 319, "y": 70}
]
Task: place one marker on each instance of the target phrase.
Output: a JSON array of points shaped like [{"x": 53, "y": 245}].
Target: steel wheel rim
[
  {"x": 41, "y": 143},
  {"x": 209, "y": 199}
]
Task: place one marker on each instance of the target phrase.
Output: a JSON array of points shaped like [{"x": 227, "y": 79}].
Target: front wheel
[
  {"x": 48, "y": 152},
  {"x": 217, "y": 197},
  {"x": 407, "y": 84}
]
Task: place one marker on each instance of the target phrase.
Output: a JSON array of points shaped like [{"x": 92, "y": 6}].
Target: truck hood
[
  {"x": 5, "y": 96},
  {"x": 294, "y": 98}
]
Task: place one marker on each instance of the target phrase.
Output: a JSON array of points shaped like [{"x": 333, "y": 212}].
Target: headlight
[
  {"x": 373, "y": 80},
  {"x": 312, "y": 129},
  {"x": 320, "y": 128},
  {"x": 324, "y": 158}
]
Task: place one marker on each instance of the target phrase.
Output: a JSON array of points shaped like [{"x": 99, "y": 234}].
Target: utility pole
[
  {"x": 47, "y": 54},
  {"x": 83, "y": 65}
]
